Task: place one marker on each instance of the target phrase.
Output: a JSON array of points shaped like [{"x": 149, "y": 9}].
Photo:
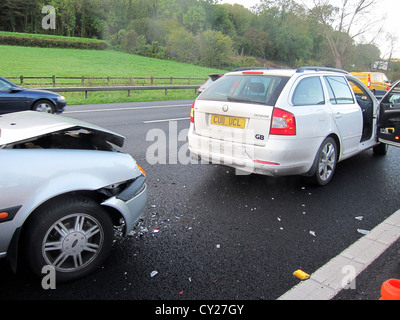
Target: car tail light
[
  {"x": 283, "y": 123},
  {"x": 369, "y": 80},
  {"x": 192, "y": 113}
]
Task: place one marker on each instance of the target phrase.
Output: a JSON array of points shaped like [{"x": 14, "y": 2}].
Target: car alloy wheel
[
  {"x": 44, "y": 106},
  {"x": 327, "y": 160},
  {"x": 72, "y": 242},
  {"x": 73, "y": 234}
]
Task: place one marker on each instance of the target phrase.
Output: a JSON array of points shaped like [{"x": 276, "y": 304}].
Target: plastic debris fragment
[
  {"x": 362, "y": 231},
  {"x": 360, "y": 218},
  {"x": 312, "y": 233},
  {"x": 301, "y": 274},
  {"x": 153, "y": 273}
]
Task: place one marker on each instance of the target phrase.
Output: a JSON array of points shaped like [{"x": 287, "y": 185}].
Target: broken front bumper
[{"x": 130, "y": 203}]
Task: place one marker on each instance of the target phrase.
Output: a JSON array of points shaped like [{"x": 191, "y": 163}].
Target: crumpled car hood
[{"x": 25, "y": 126}]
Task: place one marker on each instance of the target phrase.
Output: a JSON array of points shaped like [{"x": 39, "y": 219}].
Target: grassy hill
[{"x": 33, "y": 61}]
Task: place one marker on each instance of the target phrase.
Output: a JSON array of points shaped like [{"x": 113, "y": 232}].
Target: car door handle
[{"x": 338, "y": 115}]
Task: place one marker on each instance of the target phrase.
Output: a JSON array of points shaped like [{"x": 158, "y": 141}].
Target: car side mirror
[{"x": 15, "y": 90}]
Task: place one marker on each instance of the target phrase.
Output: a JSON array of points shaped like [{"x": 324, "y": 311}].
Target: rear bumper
[{"x": 281, "y": 156}]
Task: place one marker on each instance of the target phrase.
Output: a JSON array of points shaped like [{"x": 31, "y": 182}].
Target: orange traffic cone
[{"x": 390, "y": 290}]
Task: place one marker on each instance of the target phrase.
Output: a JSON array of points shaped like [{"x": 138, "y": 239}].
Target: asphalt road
[{"x": 209, "y": 234}]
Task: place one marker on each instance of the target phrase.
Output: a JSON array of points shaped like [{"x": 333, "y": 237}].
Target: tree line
[{"x": 203, "y": 32}]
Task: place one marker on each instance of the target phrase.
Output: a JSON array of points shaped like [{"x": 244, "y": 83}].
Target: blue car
[{"x": 14, "y": 98}]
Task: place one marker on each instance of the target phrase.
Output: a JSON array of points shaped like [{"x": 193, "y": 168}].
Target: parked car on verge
[
  {"x": 289, "y": 122},
  {"x": 377, "y": 82},
  {"x": 212, "y": 78},
  {"x": 14, "y": 98},
  {"x": 64, "y": 186}
]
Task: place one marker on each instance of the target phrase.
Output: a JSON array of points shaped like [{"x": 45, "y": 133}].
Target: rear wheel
[
  {"x": 73, "y": 235},
  {"x": 326, "y": 162}
]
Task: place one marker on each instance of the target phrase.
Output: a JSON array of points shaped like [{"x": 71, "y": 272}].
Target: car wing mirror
[{"x": 15, "y": 89}]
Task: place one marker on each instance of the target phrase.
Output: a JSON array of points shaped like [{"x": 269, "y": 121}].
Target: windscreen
[{"x": 263, "y": 89}]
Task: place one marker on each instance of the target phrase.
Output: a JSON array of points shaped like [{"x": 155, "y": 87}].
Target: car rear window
[{"x": 264, "y": 89}]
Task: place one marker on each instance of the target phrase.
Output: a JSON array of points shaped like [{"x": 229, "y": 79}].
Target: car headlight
[{"x": 61, "y": 98}]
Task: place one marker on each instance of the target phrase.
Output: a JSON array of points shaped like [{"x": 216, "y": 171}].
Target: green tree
[
  {"x": 342, "y": 25},
  {"x": 253, "y": 43},
  {"x": 216, "y": 49},
  {"x": 183, "y": 46},
  {"x": 290, "y": 34},
  {"x": 195, "y": 19}
]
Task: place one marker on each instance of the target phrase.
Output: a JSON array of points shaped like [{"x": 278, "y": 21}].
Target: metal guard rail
[{"x": 121, "y": 88}]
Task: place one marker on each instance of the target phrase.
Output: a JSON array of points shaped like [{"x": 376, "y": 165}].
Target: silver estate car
[
  {"x": 65, "y": 186},
  {"x": 291, "y": 122}
]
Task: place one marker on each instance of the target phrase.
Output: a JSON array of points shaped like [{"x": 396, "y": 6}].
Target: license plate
[{"x": 226, "y": 121}]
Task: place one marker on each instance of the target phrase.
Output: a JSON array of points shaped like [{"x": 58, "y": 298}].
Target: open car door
[{"x": 389, "y": 117}]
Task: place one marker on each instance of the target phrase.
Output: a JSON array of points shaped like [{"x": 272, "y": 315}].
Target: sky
[{"x": 387, "y": 10}]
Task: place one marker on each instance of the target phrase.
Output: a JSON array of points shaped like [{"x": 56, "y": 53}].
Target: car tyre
[
  {"x": 326, "y": 162},
  {"x": 381, "y": 149},
  {"x": 44, "y": 106},
  {"x": 73, "y": 235}
]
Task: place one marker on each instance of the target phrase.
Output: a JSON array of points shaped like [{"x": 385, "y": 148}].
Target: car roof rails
[{"x": 302, "y": 69}]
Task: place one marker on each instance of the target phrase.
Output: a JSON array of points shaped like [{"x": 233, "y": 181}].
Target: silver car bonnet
[{"x": 24, "y": 126}]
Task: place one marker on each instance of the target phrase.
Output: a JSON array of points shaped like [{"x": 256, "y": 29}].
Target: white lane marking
[
  {"x": 126, "y": 109},
  {"x": 327, "y": 282},
  {"x": 165, "y": 120}
]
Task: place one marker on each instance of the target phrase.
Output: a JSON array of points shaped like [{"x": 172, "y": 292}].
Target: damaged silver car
[{"x": 65, "y": 185}]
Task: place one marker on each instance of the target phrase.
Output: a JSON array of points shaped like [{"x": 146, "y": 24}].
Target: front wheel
[
  {"x": 381, "y": 149},
  {"x": 73, "y": 235},
  {"x": 44, "y": 106},
  {"x": 326, "y": 161}
]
